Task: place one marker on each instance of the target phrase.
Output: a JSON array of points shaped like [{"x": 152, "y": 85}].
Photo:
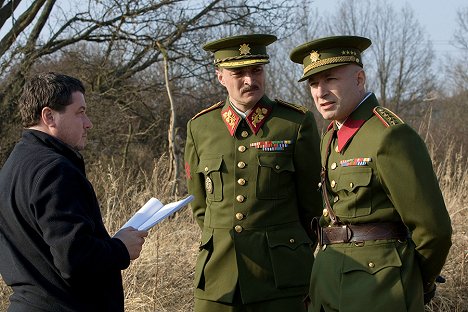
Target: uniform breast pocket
[
  {"x": 274, "y": 175},
  {"x": 210, "y": 167},
  {"x": 354, "y": 191}
]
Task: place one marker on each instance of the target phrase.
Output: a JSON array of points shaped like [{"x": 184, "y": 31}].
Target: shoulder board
[
  {"x": 296, "y": 107},
  {"x": 206, "y": 110},
  {"x": 387, "y": 117}
]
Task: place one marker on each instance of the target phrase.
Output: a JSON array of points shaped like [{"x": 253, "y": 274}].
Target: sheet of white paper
[
  {"x": 164, "y": 212},
  {"x": 145, "y": 212}
]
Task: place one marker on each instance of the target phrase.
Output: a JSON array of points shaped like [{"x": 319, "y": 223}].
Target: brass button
[
  {"x": 333, "y": 166},
  {"x": 333, "y": 183},
  {"x": 240, "y": 198},
  {"x": 277, "y": 167},
  {"x": 206, "y": 169},
  {"x": 292, "y": 241},
  {"x": 241, "y": 148},
  {"x": 336, "y": 198},
  {"x": 239, "y": 216},
  {"x": 371, "y": 264},
  {"x": 351, "y": 184},
  {"x": 241, "y": 181},
  {"x": 238, "y": 228},
  {"x": 325, "y": 212},
  {"x": 244, "y": 134},
  {"x": 241, "y": 164}
]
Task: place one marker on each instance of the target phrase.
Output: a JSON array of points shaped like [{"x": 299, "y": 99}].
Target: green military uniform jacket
[
  {"x": 255, "y": 187},
  {"x": 379, "y": 170}
]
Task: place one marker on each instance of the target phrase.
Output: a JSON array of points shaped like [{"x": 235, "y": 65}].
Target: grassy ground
[{"x": 161, "y": 279}]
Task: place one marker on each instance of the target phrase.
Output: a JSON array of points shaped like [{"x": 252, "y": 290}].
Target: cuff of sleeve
[{"x": 121, "y": 253}]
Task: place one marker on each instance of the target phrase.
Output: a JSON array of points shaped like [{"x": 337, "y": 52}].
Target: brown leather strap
[
  {"x": 363, "y": 232},
  {"x": 323, "y": 184}
]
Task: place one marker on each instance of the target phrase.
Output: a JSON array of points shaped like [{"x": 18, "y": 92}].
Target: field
[{"x": 161, "y": 279}]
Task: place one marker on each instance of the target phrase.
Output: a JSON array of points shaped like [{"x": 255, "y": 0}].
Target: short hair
[{"x": 51, "y": 90}]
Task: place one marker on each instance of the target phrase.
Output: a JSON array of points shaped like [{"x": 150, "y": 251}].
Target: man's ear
[
  {"x": 361, "y": 79},
  {"x": 47, "y": 117},
  {"x": 219, "y": 74}
]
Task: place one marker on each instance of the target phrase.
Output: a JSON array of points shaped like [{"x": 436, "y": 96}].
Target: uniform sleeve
[
  {"x": 406, "y": 172},
  {"x": 307, "y": 169},
  {"x": 195, "y": 180}
]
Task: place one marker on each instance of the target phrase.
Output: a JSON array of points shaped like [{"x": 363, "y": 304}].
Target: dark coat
[
  {"x": 55, "y": 251},
  {"x": 255, "y": 188},
  {"x": 379, "y": 170}
]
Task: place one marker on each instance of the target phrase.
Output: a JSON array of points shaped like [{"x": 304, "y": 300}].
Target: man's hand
[
  {"x": 429, "y": 294},
  {"x": 133, "y": 240},
  {"x": 430, "y": 289}
]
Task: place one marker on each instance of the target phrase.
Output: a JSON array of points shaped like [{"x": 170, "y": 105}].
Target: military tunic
[
  {"x": 255, "y": 187},
  {"x": 379, "y": 170}
]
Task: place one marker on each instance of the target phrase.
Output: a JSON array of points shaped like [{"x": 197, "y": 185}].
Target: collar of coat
[
  {"x": 255, "y": 119},
  {"x": 354, "y": 122}
]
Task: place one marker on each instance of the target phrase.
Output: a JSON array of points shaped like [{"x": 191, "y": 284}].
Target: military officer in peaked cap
[
  {"x": 253, "y": 165},
  {"x": 385, "y": 232}
]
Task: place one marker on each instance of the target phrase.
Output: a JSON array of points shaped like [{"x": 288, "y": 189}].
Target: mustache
[{"x": 249, "y": 88}]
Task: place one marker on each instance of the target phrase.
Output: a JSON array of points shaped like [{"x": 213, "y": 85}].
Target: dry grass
[{"x": 161, "y": 279}]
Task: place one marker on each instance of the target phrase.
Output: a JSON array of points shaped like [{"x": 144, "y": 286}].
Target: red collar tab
[
  {"x": 347, "y": 131},
  {"x": 257, "y": 116},
  {"x": 231, "y": 119}
]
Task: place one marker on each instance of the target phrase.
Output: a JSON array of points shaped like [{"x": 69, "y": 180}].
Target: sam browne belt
[{"x": 362, "y": 232}]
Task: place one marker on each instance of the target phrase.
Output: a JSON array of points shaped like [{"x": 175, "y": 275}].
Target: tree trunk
[{"x": 174, "y": 174}]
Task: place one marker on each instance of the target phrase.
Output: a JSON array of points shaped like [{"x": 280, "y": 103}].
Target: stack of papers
[{"x": 154, "y": 212}]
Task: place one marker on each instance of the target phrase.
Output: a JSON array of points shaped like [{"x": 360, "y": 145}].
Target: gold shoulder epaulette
[
  {"x": 388, "y": 117},
  {"x": 296, "y": 107},
  {"x": 206, "y": 110}
]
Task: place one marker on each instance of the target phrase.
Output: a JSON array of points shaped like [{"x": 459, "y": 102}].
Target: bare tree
[
  {"x": 120, "y": 36},
  {"x": 400, "y": 57},
  {"x": 458, "y": 69}
]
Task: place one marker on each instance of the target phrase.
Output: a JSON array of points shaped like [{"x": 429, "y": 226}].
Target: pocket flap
[
  {"x": 276, "y": 161},
  {"x": 351, "y": 178},
  {"x": 371, "y": 259},
  {"x": 209, "y": 164},
  {"x": 291, "y": 237}
]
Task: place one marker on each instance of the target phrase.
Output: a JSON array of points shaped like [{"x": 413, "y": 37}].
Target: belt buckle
[{"x": 346, "y": 233}]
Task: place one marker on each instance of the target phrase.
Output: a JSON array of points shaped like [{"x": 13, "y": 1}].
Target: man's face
[
  {"x": 337, "y": 91},
  {"x": 245, "y": 85},
  {"x": 71, "y": 125}
]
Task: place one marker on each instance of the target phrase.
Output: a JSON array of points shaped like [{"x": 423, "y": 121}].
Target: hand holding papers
[{"x": 154, "y": 212}]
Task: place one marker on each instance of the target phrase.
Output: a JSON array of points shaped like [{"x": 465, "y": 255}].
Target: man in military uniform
[
  {"x": 253, "y": 165},
  {"x": 385, "y": 232}
]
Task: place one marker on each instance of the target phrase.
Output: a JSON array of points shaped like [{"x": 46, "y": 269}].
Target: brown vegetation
[{"x": 161, "y": 279}]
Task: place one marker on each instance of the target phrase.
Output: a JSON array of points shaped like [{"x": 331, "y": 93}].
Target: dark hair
[{"x": 51, "y": 90}]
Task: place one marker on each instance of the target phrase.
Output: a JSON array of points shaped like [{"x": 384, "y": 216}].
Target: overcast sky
[{"x": 438, "y": 18}]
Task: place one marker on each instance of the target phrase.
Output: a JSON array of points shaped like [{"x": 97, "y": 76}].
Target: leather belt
[{"x": 362, "y": 232}]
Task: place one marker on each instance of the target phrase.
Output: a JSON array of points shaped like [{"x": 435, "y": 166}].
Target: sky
[{"x": 438, "y": 19}]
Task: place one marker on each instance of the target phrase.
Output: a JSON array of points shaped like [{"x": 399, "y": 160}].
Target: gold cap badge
[{"x": 244, "y": 49}]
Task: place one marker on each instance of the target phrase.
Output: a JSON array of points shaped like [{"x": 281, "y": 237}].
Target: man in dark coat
[
  {"x": 385, "y": 231},
  {"x": 253, "y": 165},
  {"x": 56, "y": 254}
]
